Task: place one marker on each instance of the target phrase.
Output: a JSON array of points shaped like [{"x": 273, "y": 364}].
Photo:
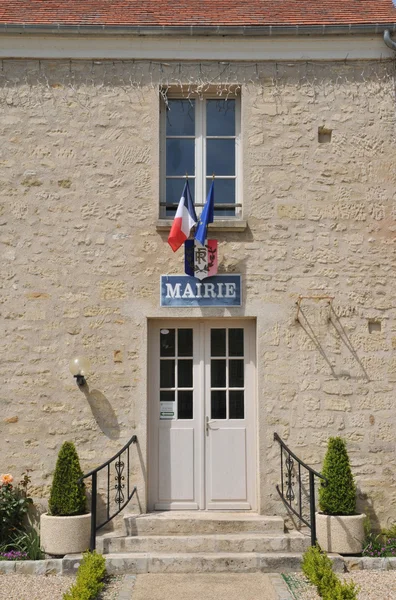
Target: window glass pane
[
  {"x": 174, "y": 190},
  {"x": 220, "y": 117},
  {"x": 218, "y": 405},
  {"x": 224, "y": 194},
  {"x": 185, "y": 405},
  {"x": 185, "y": 373},
  {"x": 235, "y": 342},
  {"x": 237, "y": 405},
  {"x": 167, "y": 396},
  {"x": 185, "y": 342},
  {"x": 180, "y": 117},
  {"x": 167, "y": 373},
  {"x": 167, "y": 342},
  {"x": 218, "y": 373},
  {"x": 180, "y": 157},
  {"x": 217, "y": 342},
  {"x": 236, "y": 373},
  {"x": 220, "y": 157}
]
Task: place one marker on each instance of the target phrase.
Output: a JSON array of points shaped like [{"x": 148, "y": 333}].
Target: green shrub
[
  {"x": 380, "y": 545},
  {"x": 90, "y": 575},
  {"x": 28, "y": 542},
  {"x": 25, "y": 542},
  {"x": 318, "y": 569},
  {"x": 67, "y": 496},
  {"x": 338, "y": 497},
  {"x": 14, "y": 506},
  {"x": 390, "y": 533},
  {"x": 341, "y": 591}
]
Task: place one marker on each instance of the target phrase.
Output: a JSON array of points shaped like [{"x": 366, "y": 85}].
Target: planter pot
[
  {"x": 65, "y": 535},
  {"x": 340, "y": 534}
]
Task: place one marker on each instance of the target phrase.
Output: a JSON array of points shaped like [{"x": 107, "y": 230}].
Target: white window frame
[{"x": 200, "y": 153}]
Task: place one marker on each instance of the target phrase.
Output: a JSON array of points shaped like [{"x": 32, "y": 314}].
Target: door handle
[{"x": 208, "y": 425}]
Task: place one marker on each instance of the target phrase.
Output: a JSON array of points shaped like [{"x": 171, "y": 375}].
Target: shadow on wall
[
  {"x": 365, "y": 504},
  {"x": 103, "y": 413},
  {"x": 339, "y": 331}
]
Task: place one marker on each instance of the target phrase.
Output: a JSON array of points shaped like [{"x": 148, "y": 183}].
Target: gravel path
[
  {"x": 48, "y": 587},
  {"x": 374, "y": 585},
  {"x": 33, "y": 587}
]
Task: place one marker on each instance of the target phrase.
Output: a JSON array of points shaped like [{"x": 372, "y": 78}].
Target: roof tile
[{"x": 197, "y": 12}]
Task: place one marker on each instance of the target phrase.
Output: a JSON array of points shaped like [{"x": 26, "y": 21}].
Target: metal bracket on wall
[{"x": 301, "y": 298}]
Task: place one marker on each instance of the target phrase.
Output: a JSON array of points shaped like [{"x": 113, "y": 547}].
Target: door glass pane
[
  {"x": 180, "y": 117},
  {"x": 185, "y": 342},
  {"x": 220, "y": 117},
  {"x": 235, "y": 342},
  {"x": 220, "y": 157},
  {"x": 218, "y": 373},
  {"x": 218, "y": 404},
  {"x": 167, "y": 396},
  {"x": 180, "y": 157},
  {"x": 185, "y": 373},
  {"x": 167, "y": 342},
  {"x": 218, "y": 342},
  {"x": 185, "y": 405},
  {"x": 236, "y": 374},
  {"x": 167, "y": 373},
  {"x": 237, "y": 404}
]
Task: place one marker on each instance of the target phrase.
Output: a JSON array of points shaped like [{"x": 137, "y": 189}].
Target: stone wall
[{"x": 81, "y": 261}]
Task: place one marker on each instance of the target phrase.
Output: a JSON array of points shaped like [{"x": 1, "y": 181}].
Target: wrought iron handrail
[
  {"x": 287, "y": 481},
  {"x": 120, "y": 499}
]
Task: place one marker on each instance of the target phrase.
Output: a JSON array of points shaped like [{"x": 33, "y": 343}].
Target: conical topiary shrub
[
  {"x": 338, "y": 497},
  {"x": 67, "y": 496}
]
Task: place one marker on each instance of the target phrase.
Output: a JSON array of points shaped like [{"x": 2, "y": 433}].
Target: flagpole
[{"x": 195, "y": 226}]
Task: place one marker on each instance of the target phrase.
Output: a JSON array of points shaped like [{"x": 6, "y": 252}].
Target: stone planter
[
  {"x": 65, "y": 535},
  {"x": 340, "y": 534}
]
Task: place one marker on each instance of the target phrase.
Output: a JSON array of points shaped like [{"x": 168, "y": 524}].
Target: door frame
[{"x": 201, "y": 324}]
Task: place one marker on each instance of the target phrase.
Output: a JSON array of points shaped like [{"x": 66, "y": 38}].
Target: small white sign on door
[{"x": 167, "y": 410}]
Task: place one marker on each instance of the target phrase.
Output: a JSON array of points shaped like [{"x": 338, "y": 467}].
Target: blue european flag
[{"x": 206, "y": 217}]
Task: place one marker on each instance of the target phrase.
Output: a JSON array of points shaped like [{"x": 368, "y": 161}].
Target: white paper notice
[{"x": 167, "y": 410}]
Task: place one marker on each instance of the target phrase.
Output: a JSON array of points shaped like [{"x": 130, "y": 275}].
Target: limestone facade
[{"x": 82, "y": 255}]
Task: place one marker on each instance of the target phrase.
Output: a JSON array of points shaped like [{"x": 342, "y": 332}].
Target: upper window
[{"x": 200, "y": 139}]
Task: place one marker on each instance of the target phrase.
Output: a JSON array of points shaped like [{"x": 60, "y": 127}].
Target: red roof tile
[{"x": 197, "y": 12}]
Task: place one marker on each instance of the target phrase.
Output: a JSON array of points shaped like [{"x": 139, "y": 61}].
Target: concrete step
[
  {"x": 202, "y": 562},
  {"x": 200, "y": 523},
  {"x": 242, "y": 542}
]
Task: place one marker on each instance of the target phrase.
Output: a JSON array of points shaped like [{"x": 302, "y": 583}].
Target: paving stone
[
  {"x": 7, "y": 566},
  {"x": 39, "y": 567}
]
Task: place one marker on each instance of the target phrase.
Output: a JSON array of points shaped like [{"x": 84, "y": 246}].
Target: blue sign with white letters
[{"x": 183, "y": 290}]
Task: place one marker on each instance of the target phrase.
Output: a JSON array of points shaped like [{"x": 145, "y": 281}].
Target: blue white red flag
[
  {"x": 185, "y": 219},
  {"x": 206, "y": 217},
  {"x": 200, "y": 262}
]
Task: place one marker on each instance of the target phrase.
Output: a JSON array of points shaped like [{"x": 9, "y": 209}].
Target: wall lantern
[{"x": 79, "y": 368}]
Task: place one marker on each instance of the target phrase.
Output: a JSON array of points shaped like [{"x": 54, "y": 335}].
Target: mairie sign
[{"x": 182, "y": 290}]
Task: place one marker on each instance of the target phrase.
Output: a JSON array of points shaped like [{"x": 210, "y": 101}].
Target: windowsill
[{"x": 220, "y": 224}]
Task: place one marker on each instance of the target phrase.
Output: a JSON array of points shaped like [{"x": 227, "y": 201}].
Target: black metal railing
[
  {"x": 297, "y": 495},
  {"x": 116, "y": 472}
]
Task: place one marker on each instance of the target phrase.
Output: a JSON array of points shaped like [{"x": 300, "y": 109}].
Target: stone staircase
[{"x": 192, "y": 542}]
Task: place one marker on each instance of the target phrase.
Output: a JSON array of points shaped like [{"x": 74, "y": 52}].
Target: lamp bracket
[{"x": 81, "y": 381}]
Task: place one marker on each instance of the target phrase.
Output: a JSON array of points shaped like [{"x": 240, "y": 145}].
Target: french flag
[{"x": 185, "y": 218}]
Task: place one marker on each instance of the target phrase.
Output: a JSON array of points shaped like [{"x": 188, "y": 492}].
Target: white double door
[{"x": 202, "y": 415}]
